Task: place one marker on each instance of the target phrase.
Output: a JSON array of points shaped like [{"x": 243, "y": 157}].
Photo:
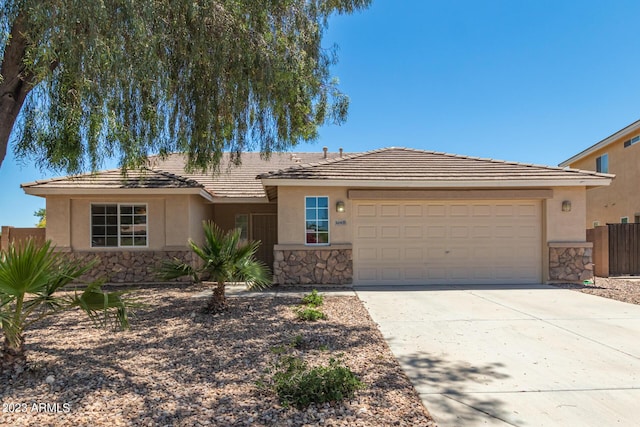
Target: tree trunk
[
  {"x": 16, "y": 84},
  {"x": 14, "y": 357},
  {"x": 218, "y": 301}
]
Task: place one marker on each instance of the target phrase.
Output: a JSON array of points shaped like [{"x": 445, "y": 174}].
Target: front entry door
[{"x": 264, "y": 227}]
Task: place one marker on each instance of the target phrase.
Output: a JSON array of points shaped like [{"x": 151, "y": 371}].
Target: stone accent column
[
  {"x": 129, "y": 266},
  {"x": 570, "y": 262},
  {"x": 318, "y": 265}
]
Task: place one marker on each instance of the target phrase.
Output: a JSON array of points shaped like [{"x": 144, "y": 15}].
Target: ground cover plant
[
  {"x": 32, "y": 277},
  {"x": 179, "y": 366}
]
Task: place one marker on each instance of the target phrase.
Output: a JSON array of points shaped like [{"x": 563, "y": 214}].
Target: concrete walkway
[{"x": 514, "y": 356}]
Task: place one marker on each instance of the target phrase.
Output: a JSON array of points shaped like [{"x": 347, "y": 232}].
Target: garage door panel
[
  {"x": 390, "y": 231},
  {"x": 412, "y": 232},
  {"x": 449, "y": 242},
  {"x": 390, "y": 254},
  {"x": 436, "y": 232},
  {"x": 390, "y": 211},
  {"x": 413, "y": 254},
  {"x": 413, "y": 210}
]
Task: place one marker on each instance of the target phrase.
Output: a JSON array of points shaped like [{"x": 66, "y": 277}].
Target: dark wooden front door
[{"x": 264, "y": 227}]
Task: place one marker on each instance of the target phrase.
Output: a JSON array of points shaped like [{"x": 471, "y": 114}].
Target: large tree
[{"x": 85, "y": 79}]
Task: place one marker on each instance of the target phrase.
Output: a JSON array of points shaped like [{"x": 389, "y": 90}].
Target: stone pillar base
[
  {"x": 570, "y": 262},
  {"x": 322, "y": 265}
]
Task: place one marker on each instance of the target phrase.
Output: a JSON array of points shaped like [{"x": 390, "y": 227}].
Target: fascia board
[{"x": 505, "y": 183}]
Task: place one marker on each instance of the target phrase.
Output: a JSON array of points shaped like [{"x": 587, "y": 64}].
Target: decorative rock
[
  {"x": 314, "y": 266},
  {"x": 570, "y": 264},
  {"x": 129, "y": 266}
]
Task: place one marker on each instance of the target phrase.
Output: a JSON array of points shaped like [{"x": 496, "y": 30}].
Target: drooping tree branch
[{"x": 85, "y": 80}]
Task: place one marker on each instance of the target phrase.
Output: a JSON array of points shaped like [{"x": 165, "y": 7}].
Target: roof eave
[
  {"x": 58, "y": 191},
  {"x": 505, "y": 183},
  {"x": 632, "y": 128}
]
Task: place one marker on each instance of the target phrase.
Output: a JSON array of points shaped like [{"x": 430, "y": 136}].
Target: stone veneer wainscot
[
  {"x": 322, "y": 265},
  {"x": 570, "y": 262},
  {"x": 129, "y": 266}
]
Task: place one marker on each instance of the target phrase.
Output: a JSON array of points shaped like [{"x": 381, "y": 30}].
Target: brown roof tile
[
  {"x": 113, "y": 179},
  {"x": 237, "y": 181},
  {"x": 404, "y": 164}
]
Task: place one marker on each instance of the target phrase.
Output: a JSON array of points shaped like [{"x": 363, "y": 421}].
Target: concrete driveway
[{"x": 514, "y": 356}]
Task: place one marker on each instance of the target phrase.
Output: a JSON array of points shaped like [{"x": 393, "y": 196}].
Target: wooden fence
[
  {"x": 616, "y": 249},
  {"x": 624, "y": 249}
]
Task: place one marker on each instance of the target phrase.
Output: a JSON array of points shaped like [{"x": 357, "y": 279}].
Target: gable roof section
[
  {"x": 112, "y": 181},
  {"x": 237, "y": 183},
  {"x": 232, "y": 183},
  {"x": 404, "y": 167},
  {"x": 633, "y": 128}
]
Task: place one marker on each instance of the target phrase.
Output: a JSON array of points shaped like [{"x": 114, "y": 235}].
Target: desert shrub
[
  {"x": 314, "y": 299},
  {"x": 299, "y": 385},
  {"x": 309, "y": 314}
]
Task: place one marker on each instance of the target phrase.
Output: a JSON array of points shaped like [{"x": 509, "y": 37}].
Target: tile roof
[
  {"x": 405, "y": 164},
  {"x": 237, "y": 181},
  {"x": 113, "y": 179},
  {"x": 387, "y": 164}
]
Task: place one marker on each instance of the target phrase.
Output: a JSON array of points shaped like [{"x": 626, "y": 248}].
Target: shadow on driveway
[{"x": 444, "y": 382}]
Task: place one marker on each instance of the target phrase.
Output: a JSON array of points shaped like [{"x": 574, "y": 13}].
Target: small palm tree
[
  {"x": 224, "y": 259},
  {"x": 30, "y": 277}
]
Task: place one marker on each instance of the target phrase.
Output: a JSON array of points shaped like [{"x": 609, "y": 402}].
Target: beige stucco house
[
  {"x": 389, "y": 216},
  {"x": 618, "y": 154}
]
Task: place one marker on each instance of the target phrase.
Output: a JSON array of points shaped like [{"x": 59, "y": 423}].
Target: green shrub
[
  {"x": 299, "y": 385},
  {"x": 309, "y": 314},
  {"x": 314, "y": 299}
]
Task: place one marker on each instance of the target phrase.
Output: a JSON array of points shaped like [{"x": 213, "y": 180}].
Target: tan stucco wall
[
  {"x": 621, "y": 198},
  {"x": 291, "y": 229},
  {"x": 566, "y": 226},
  {"x": 199, "y": 211},
  {"x": 224, "y": 214},
  {"x": 171, "y": 220},
  {"x": 59, "y": 221}
]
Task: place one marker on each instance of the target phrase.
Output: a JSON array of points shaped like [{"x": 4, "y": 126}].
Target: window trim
[
  {"x": 624, "y": 220},
  {"x": 599, "y": 167},
  {"x": 146, "y": 207},
  {"x": 328, "y": 221},
  {"x": 631, "y": 141}
]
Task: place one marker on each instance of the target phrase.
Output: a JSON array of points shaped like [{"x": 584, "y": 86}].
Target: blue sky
[{"x": 532, "y": 81}]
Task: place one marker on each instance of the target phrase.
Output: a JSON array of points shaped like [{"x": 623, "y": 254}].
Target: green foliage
[
  {"x": 198, "y": 77},
  {"x": 300, "y": 385},
  {"x": 314, "y": 299},
  {"x": 309, "y": 314},
  {"x": 224, "y": 259},
  {"x": 42, "y": 215},
  {"x": 31, "y": 276}
]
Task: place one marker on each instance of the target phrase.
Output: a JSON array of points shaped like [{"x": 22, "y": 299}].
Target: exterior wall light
[
  {"x": 340, "y": 206},
  {"x": 566, "y": 206}
]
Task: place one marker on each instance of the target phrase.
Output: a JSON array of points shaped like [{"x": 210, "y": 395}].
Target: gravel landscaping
[
  {"x": 623, "y": 289},
  {"x": 180, "y": 367}
]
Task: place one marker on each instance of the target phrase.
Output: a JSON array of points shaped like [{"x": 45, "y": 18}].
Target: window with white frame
[
  {"x": 624, "y": 220},
  {"x": 118, "y": 225},
  {"x": 316, "y": 220},
  {"x": 630, "y": 142},
  {"x": 596, "y": 224},
  {"x": 602, "y": 163}
]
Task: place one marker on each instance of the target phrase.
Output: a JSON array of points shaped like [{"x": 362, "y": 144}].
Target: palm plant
[
  {"x": 30, "y": 277},
  {"x": 224, "y": 258}
]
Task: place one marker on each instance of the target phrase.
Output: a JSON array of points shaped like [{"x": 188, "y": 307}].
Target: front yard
[{"x": 180, "y": 367}]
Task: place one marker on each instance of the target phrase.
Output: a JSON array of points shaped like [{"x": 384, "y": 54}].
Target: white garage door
[{"x": 461, "y": 242}]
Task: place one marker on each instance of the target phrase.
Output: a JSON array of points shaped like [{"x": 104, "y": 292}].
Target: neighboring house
[
  {"x": 389, "y": 216},
  {"x": 618, "y": 154}
]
